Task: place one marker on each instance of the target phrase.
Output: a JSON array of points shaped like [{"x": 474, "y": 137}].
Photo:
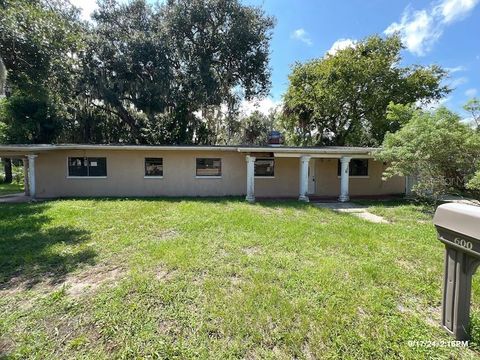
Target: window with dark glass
[
  {"x": 87, "y": 166},
  {"x": 358, "y": 167},
  {"x": 264, "y": 167},
  {"x": 153, "y": 167},
  {"x": 209, "y": 167}
]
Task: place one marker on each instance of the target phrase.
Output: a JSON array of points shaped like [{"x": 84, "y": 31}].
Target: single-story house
[{"x": 72, "y": 170}]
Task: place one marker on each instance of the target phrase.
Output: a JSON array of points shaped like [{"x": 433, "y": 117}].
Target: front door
[{"x": 311, "y": 177}]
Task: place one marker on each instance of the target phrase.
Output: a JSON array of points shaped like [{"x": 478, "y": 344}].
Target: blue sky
[{"x": 443, "y": 32}]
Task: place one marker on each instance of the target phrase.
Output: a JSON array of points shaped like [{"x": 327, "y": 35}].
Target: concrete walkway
[
  {"x": 14, "y": 198},
  {"x": 354, "y": 209}
]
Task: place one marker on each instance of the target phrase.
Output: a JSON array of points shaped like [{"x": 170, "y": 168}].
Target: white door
[{"x": 311, "y": 177}]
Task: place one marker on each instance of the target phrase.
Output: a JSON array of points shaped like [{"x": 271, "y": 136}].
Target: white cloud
[
  {"x": 302, "y": 35},
  {"x": 417, "y": 30},
  {"x": 264, "y": 106},
  {"x": 471, "y": 92},
  {"x": 455, "y": 69},
  {"x": 341, "y": 44},
  {"x": 421, "y": 29},
  {"x": 458, "y": 81},
  {"x": 452, "y": 10},
  {"x": 87, "y": 7}
]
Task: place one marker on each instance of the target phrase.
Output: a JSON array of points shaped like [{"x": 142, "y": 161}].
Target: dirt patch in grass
[
  {"x": 166, "y": 234},
  {"x": 75, "y": 284},
  {"x": 164, "y": 274},
  {"x": 236, "y": 280},
  {"x": 405, "y": 264},
  {"x": 252, "y": 250},
  {"x": 90, "y": 280},
  {"x": 6, "y": 345},
  {"x": 430, "y": 314}
]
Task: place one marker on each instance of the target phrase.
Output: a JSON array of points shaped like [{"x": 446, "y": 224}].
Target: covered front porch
[
  {"x": 307, "y": 171},
  {"x": 28, "y": 161}
]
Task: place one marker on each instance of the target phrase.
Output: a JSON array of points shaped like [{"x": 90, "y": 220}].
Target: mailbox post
[{"x": 458, "y": 227}]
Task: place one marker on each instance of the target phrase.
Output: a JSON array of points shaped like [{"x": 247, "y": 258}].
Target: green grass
[
  {"x": 219, "y": 279},
  {"x": 6, "y": 189}
]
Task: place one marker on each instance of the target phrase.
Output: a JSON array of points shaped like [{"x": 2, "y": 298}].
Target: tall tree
[
  {"x": 127, "y": 66},
  {"x": 38, "y": 47},
  {"x": 255, "y": 128},
  {"x": 156, "y": 69},
  {"x": 342, "y": 99}
]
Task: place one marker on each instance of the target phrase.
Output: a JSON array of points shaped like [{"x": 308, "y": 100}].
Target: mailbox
[{"x": 458, "y": 227}]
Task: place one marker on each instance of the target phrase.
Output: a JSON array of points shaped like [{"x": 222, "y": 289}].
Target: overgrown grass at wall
[{"x": 218, "y": 279}]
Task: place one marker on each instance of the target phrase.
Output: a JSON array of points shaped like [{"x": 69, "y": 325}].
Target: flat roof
[{"x": 38, "y": 148}]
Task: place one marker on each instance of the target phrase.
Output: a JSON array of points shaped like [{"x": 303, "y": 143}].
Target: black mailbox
[{"x": 458, "y": 227}]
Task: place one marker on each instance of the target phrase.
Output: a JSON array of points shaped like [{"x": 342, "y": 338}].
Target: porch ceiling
[{"x": 13, "y": 154}]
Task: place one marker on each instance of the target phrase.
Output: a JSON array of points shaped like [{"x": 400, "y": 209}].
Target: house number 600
[{"x": 464, "y": 243}]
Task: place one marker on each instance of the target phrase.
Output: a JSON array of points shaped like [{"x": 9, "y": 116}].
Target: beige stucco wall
[
  {"x": 284, "y": 183},
  {"x": 328, "y": 182},
  {"x": 125, "y": 176}
]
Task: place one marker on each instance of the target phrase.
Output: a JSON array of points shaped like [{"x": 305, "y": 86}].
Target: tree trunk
[{"x": 7, "y": 165}]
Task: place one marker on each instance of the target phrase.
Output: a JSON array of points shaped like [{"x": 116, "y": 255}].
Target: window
[
  {"x": 87, "y": 167},
  {"x": 358, "y": 167},
  {"x": 264, "y": 167},
  {"x": 154, "y": 167},
  {"x": 209, "y": 167}
]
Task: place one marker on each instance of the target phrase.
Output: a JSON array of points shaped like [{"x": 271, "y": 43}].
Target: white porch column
[
  {"x": 250, "y": 178},
  {"x": 303, "y": 178},
  {"x": 344, "y": 179},
  {"x": 31, "y": 174},
  {"x": 26, "y": 182}
]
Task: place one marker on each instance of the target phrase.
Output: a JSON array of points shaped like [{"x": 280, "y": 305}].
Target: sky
[{"x": 442, "y": 32}]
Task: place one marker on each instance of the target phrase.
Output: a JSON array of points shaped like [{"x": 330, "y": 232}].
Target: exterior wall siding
[
  {"x": 125, "y": 176},
  {"x": 328, "y": 182}
]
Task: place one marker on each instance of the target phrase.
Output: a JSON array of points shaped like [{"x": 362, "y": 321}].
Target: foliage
[
  {"x": 342, "y": 99},
  {"x": 38, "y": 46},
  {"x": 473, "y": 108},
  {"x": 474, "y": 183},
  {"x": 155, "y": 69},
  {"x": 30, "y": 118},
  {"x": 3, "y": 126},
  {"x": 435, "y": 147},
  {"x": 255, "y": 128},
  {"x": 137, "y": 73},
  {"x": 12, "y": 188}
]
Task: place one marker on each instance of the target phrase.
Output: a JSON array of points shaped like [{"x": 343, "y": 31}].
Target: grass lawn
[
  {"x": 6, "y": 189},
  {"x": 219, "y": 279}
]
